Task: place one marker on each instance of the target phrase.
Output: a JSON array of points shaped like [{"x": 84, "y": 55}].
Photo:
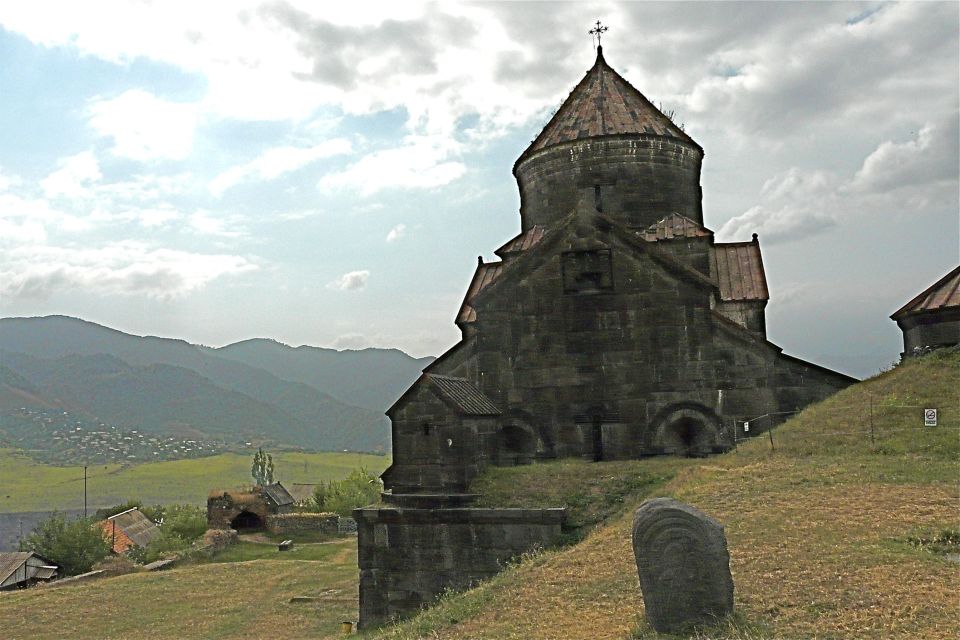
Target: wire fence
[{"x": 873, "y": 421}]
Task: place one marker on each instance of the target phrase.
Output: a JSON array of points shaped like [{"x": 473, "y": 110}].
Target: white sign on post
[
  {"x": 746, "y": 426},
  {"x": 929, "y": 417}
]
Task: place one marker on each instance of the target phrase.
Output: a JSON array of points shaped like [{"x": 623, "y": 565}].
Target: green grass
[
  {"x": 217, "y": 601},
  {"x": 832, "y": 535},
  {"x": 28, "y": 486},
  {"x": 244, "y": 551}
]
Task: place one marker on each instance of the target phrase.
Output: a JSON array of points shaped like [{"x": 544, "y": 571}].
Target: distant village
[{"x": 58, "y": 437}]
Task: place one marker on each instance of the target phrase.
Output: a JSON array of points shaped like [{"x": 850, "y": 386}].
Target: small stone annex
[
  {"x": 614, "y": 325},
  {"x": 932, "y": 318}
]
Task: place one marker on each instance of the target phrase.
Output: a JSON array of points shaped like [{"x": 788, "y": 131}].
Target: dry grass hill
[{"x": 846, "y": 526}]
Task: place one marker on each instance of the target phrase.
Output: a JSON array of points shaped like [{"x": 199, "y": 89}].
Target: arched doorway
[
  {"x": 687, "y": 430},
  {"x": 246, "y": 520},
  {"x": 515, "y": 445}
]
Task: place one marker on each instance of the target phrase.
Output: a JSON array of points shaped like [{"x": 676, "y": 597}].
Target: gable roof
[
  {"x": 942, "y": 294},
  {"x": 278, "y": 494},
  {"x": 465, "y": 397},
  {"x": 738, "y": 268},
  {"x": 129, "y": 528},
  {"x": 485, "y": 274},
  {"x": 10, "y": 561},
  {"x": 522, "y": 242},
  {"x": 604, "y": 104},
  {"x": 674, "y": 226}
]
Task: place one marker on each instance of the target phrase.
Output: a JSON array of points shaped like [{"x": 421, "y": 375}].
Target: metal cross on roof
[{"x": 597, "y": 31}]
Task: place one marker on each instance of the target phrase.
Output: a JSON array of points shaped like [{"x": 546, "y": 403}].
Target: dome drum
[{"x": 635, "y": 179}]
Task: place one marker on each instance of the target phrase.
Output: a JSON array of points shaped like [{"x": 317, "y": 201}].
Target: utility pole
[{"x": 84, "y": 491}]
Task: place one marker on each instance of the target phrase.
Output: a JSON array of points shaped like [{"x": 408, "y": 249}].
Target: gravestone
[{"x": 683, "y": 565}]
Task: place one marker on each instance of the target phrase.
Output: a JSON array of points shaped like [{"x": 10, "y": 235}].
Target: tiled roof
[
  {"x": 11, "y": 561},
  {"x": 675, "y": 226},
  {"x": 466, "y": 397},
  {"x": 132, "y": 528},
  {"x": 739, "y": 271},
  {"x": 604, "y": 104},
  {"x": 484, "y": 275},
  {"x": 942, "y": 294},
  {"x": 278, "y": 494},
  {"x": 522, "y": 242}
]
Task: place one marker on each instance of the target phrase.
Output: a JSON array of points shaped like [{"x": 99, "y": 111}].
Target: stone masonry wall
[
  {"x": 293, "y": 523},
  {"x": 409, "y": 557},
  {"x": 640, "y": 179}
]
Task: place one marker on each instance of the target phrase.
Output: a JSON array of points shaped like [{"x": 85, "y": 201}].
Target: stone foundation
[{"x": 410, "y": 556}]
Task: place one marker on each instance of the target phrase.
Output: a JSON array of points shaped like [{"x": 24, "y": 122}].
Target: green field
[{"x": 28, "y": 486}]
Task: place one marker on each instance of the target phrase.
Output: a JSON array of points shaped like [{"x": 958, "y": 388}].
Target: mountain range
[{"x": 256, "y": 389}]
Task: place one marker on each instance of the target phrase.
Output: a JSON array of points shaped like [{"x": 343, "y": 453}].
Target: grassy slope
[
  {"x": 28, "y": 486},
  {"x": 220, "y": 600},
  {"x": 816, "y": 530}
]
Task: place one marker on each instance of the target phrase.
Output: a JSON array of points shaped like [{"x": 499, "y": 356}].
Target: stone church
[{"x": 614, "y": 325}]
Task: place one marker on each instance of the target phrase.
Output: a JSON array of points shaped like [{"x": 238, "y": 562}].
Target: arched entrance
[
  {"x": 687, "y": 431},
  {"x": 515, "y": 445},
  {"x": 246, "y": 520}
]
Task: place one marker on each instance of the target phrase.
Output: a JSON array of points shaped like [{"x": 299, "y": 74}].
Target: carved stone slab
[{"x": 683, "y": 564}]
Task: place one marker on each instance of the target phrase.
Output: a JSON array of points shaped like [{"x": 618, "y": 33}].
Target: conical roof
[{"x": 604, "y": 104}]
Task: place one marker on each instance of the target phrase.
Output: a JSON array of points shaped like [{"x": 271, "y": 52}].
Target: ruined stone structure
[
  {"x": 247, "y": 508},
  {"x": 932, "y": 319},
  {"x": 613, "y": 326}
]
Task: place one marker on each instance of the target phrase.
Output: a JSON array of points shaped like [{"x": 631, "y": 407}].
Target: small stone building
[
  {"x": 19, "y": 569},
  {"x": 932, "y": 319},
  {"x": 614, "y": 325},
  {"x": 247, "y": 508}
]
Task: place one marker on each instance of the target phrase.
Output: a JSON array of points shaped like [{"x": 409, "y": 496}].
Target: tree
[
  {"x": 75, "y": 545},
  {"x": 359, "y": 489},
  {"x": 262, "y": 470}
]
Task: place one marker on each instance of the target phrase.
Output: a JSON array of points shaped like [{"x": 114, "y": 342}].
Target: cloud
[
  {"x": 208, "y": 224},
  {"x": 351, "y": 341},
  {"x": 420, "y": 163},
  {"x": 351, "y": 281},
  {"x": 276, "y": 162},
  {"x": 916, "y": 176},
  {"x": 119, "y": 268},
  {"x": 144, "y": 127},
  {"x": 73, "y": 179},
  {"x": 397, "y": 232}
]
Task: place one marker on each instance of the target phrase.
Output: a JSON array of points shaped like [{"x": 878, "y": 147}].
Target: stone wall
[
  {"x": 294, "y": 523},
  {"x": 636, "y": 180},
  {"x": 409, "y": 556},
  {"x": 223, "y": 508}
]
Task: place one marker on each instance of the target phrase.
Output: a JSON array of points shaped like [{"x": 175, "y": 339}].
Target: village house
[
  {"x": 247, "y": 508},
  {"x": 19, "y": 569},
  {"x": 129, "y": 529}
]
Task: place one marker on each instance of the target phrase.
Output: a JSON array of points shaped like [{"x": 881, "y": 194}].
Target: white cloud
[
  {"x": 209, "y": 224},
  {"x": 915, "y": 177},
  {"x": 351, "y": 341},
  {"x": 120, "y": 268},
  {"x": 351, "y": 281},
  {"x": 397, "y": 232},
  {"x": 276, "y": 162},
  {"x": 144, "y": 127},
  {"x": 74, "y": 177},
  {"x": 421, "y": 163}
]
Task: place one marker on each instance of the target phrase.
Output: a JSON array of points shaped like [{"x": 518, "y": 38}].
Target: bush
[
  {"x": 359, "y": 489},
  {"x": 185, "y": 521},
  {"x": 75, "y": 545}
]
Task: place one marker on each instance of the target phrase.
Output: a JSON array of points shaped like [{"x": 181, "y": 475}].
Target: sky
[{"x": 328, "y": 173}]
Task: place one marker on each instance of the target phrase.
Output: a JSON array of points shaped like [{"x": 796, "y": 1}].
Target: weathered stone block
[{"x": 683, "y": 564}]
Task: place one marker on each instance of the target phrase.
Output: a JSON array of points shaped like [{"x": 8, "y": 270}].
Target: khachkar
[{"x": 612, "y": 326}]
